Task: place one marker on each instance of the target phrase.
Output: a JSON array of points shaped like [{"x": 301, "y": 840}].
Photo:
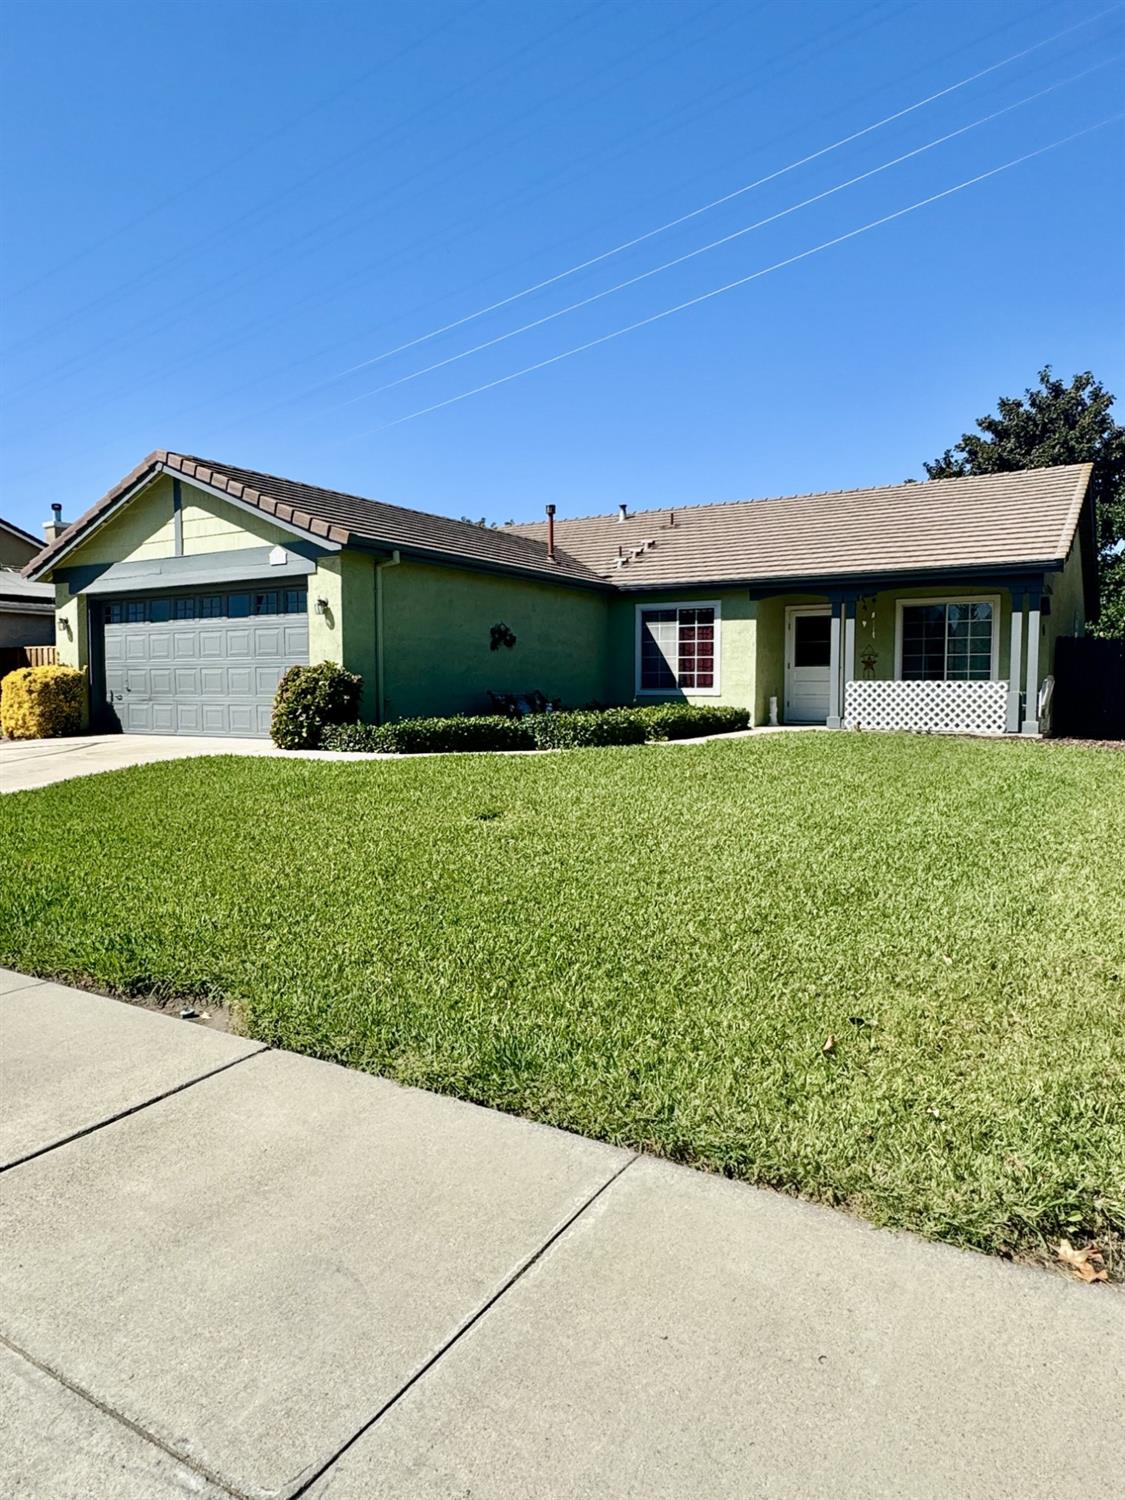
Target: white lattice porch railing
[{"x": 976, "y": 707}]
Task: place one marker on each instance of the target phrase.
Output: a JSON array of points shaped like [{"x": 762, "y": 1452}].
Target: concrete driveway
[
  {"x": 229, "y": 1271},
  {"x": 26, "y": 764}
]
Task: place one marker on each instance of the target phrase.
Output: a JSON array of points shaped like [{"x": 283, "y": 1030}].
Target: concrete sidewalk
[{"x": 231, "y": 1271}]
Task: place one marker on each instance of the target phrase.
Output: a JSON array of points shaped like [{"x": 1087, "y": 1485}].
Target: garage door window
[{"x": 206, "y": 607}]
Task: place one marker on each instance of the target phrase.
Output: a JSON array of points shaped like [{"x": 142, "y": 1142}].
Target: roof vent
[
  {"x": 623, "y": 512},
  {"x": 56, "y": 525}
]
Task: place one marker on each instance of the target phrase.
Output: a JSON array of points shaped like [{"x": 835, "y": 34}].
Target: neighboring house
[
  {"x": 27, "y": 610},
  {"x": 191, "y": 586}
]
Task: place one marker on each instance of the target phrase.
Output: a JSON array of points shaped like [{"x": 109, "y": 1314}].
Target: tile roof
[
  {"x": 1018, "y": 519},
  {"x": 337, "y": 517},
  {"x": 1022, "y": 518}
]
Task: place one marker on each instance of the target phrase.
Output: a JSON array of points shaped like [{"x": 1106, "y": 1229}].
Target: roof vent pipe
[
  {"x": 551, "y": 533},
  {"x": 623, "y": 512}
]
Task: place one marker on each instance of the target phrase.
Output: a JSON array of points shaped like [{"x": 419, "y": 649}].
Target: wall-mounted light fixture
[
  {"x": 64, "y": 626},
  {"x": 322, "y": 606}
]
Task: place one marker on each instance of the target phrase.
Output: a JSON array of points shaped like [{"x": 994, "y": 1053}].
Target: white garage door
[{"x": 201, "y": 663}]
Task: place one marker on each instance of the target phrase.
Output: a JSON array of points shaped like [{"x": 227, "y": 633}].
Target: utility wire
[
  {"x": 726, "y": 197},
  {"x": 232, "y": 225},
  {"x": 727, "y": 239},
  {"x": 315, "y": 236},
  {"x": 730, "y": 286}
]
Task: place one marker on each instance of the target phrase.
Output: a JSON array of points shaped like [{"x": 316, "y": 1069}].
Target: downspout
[{"x": 380, "y": 695}]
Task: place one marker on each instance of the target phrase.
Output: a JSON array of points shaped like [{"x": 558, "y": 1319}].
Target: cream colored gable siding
[
  {"x": 144, "y": 528},
  {"x": 213, "y": 525}
]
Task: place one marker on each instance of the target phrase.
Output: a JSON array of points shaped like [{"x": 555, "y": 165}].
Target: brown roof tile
[
  {"x": 340, "y": 518},
  {"x": 1002, "y": 520},
  {"x": 1015, "y": 519}
]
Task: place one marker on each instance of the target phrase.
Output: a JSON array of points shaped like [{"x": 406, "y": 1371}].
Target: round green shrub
[{"x": 311, "y": 699}]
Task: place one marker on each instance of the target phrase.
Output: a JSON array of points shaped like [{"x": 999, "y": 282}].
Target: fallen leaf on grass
[
  {"x": 829, "y": 1043},
  {"x": 1087, "y": 1263}
]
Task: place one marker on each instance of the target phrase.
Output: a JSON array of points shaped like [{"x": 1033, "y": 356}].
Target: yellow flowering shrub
[{"x": 42, "y": 702}]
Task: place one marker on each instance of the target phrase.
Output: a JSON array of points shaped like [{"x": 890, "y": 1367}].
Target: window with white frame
[
  {"x": 947, "y": 640},
  {"x": 678, "y": 648}
]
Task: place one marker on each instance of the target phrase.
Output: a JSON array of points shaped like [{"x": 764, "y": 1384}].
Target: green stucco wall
[
  {"x": 436, "y": 651},
  {"x": 345, "y": 631},
  {"x": 1068, "y": 607},
  {"x": 737, "y": 635}
]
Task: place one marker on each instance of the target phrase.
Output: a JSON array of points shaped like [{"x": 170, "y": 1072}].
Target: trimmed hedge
[
  {"x": 419, "y": 736},
  {"x": 686, "y": 721},
  {"x": 580, "y": 729},
  {"x": 309, "y": 700},
  {"x": 42, "y": 702}
]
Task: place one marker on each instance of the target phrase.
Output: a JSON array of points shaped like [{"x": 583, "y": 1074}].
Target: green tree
[{"x": 1056, "y": 423}]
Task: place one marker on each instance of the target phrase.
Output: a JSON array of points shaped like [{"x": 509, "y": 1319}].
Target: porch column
[
  {"x": 1031, "y": 699},
  {"x": 1015, "y": 662},
  {"x": 847, "y": 670},
  {"x": 834, "y": 666}
]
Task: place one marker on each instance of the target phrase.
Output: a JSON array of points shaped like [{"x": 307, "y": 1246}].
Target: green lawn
[{"x": 651, "y": 946}]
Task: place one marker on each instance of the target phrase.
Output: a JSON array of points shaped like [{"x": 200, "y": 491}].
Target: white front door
[{"x": 807, "y": 651}]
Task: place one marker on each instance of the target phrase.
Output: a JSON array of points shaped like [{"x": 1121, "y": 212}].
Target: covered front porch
[{"x": 958, "y": 655}]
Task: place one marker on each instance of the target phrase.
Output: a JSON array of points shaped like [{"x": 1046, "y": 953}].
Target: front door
[{"x": 807, "y": 653}]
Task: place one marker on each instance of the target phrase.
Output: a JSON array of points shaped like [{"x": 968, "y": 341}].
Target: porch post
[
  {"x": 1015, "y": 662},
  {"x": 1031, "y": 699},
  {"x": 834, "y": 666},
  {"x": 847, "y": 673}
]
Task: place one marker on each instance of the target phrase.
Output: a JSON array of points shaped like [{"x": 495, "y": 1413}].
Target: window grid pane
[
  {"x": 947, "y": 642},
  {"x": 677, "y": 649}
]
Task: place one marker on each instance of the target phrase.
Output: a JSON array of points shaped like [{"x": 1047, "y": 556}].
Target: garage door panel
[
  {"x": 210, "y": 671},
  {"x": 243, "y": 718}
]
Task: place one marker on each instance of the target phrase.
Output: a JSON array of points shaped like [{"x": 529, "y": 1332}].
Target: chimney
[
  {"x": 551, "y": 533},
  {"x": 623, "y": 511},
  {"x": 56, "y": 525}
]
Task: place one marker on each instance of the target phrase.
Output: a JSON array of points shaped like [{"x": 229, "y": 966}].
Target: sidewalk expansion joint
[
  {"x": 123, "y": 1421},
  {"x": 517, "y": 1275},
  {"x": 133, "y": 1109}
]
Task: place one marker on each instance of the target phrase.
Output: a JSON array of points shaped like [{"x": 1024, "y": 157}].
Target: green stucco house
[{"x": 187, "y": 590}]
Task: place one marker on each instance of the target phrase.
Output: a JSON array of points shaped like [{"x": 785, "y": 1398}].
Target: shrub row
[
  {"x": 555, "y": 731},
  {"x": 42, "y": 702}
]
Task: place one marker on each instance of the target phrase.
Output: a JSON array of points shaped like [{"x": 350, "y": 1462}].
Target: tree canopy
[{"x": 1055, "y": 423}]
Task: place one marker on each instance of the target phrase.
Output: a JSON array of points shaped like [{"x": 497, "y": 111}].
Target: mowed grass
[{"x": 653, "y": 946}]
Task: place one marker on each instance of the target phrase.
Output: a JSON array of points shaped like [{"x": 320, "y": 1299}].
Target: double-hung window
[
  {"x": 947, "y": 640},
  {"x": 678, "y": 648}
]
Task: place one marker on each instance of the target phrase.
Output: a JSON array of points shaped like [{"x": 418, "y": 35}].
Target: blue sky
[{"x": 212, "y": 211}]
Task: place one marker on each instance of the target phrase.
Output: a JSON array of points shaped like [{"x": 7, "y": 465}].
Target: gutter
[{"x": 380, "y": 696}]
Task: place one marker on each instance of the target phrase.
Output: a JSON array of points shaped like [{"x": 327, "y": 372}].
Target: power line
[
  {"x": 232, "y": 225},
  {"x": 726, "y": 239},
  {"x": 315, "y": 236},
  {"x": 730, "y": 286},
  {"x": 728, "y": 197}
]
